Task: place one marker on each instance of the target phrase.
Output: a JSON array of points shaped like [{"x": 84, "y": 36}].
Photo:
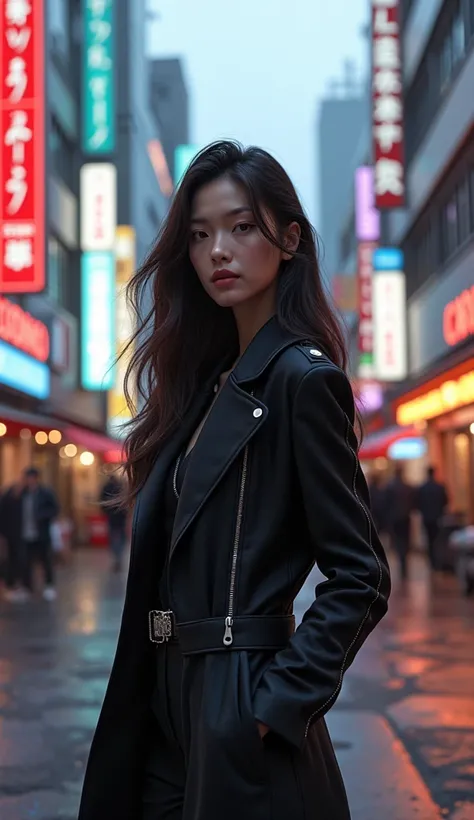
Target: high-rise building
[
  {"x": 341, "y": 119},
  {"x": 169, "y": 100}
]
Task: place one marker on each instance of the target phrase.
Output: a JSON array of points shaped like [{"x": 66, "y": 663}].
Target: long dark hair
[{"x": 184, "y": 334}]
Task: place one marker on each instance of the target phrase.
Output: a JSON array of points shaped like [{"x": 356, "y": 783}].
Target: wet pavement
[{"x": 403, "y": 726}]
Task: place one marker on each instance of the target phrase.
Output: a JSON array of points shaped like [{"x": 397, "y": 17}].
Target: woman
[{"x": 242, "y": 465}]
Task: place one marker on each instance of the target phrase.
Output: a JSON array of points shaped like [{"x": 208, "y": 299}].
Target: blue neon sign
[
  {"x": 23, "y": 373},
  {"x": 98, "y": 320},
  {"x": 387, "y": 259}
]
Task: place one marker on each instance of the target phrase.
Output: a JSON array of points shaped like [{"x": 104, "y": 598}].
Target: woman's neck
[{"x": 252, "y": 315}]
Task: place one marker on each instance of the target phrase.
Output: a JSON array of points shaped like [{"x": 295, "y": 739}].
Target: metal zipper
[{"x": 228, "y": 637}]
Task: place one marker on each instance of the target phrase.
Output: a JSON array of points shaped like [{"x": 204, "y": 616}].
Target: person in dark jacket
[
  {"x": 242, "y": 466},
  {"x": 378, "y": 500},
  {"x": 400, "y": 501},
  {"x": 116, "y": 516},
  {"x": 10, "y": 529},
  {"x": 39, "y": 508},
  {"x": 432, "y": 500}
]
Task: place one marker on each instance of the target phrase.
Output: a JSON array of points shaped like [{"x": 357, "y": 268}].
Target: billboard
[
  {"x": 98, "y": 133},
  {"x": 389, "y": 310},
  {"x": 387, "y": 105},
  {"x": 98, "y": 320},
  {"x": 117, "y": 410},
  {"x": 22, "y": 163},
  {"x": 98, "y": 183}
]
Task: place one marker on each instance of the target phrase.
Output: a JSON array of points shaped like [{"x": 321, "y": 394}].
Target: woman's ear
[{"x": 291, "y": 240}]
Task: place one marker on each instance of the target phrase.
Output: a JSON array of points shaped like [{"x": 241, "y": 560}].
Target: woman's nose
[{"x": 220, "y": 252}]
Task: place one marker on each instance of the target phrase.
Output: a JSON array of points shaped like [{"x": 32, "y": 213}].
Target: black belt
[{"x": 207, "y": 635}]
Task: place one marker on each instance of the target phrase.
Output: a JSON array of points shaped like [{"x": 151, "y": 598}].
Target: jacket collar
[{"x": 269, "y": 342}]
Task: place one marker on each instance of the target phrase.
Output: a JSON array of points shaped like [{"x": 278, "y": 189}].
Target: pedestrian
[
  {"x": 378, "y": 500},
  {"x": 10, "y": 529},
  {"x": 39, "y": 508},
  {"x": 400, "y": 505},
  {"x": 242, "y": 463},
  {"x": 432, "y": 500},
  {"x": 116, "y": 516}
]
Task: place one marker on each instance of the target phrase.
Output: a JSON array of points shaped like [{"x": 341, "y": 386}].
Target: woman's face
[{"x": 232, "y": 258}]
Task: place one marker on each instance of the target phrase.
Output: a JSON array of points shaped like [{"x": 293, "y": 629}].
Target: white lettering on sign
[
  {"x": 17, "y": 79},
  {"x": 387, "y": 105},
  {"x": 17, "y": 12},
  {"x": 18, "y": 254},
  {"x": 17, "y": 186}
]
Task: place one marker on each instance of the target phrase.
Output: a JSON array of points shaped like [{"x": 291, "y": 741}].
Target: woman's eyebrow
[{"x": 240, "y": 210}]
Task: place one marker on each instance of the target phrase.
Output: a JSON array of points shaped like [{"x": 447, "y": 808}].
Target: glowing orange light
[{"x": 450, "y": 395}]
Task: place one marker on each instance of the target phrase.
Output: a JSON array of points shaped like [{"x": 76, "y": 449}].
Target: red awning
[
  {"x": 96, "y": 442},
  {"x": 376, "y": 445}
]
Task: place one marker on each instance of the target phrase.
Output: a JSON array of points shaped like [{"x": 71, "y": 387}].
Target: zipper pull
[{"x": 228, "y": 637}]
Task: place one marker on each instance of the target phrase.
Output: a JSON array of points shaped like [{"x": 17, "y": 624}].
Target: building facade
[
  {"x": 169, "y": 100},
  {"x": 436, "y": 233},
  {"x": 73, "y": 105}
]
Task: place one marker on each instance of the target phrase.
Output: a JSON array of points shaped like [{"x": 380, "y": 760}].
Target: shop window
[
  {"x": 463, "y": 207},
  {"x": 449, "y": 229},
  {"x": 60, "y": 267},
  {"x": 458, "y": 33},
  {"x": 62, "y": 154}
]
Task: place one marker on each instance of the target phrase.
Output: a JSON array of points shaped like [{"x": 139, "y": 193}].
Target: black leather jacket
[{"x": 272, "y": 486}]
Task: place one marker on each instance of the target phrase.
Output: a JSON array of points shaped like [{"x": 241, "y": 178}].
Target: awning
[
  {"x": 15, "y": 420},
  {"x": 96, "y": 442},
  {"x": 376, "y": 445}
]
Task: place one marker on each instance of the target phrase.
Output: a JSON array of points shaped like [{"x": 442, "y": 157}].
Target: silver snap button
[
  {"x": 257, "y": 413},
  {"x": 315, "y": 352}
]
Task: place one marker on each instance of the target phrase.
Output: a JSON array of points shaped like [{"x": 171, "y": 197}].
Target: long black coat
[{"x": 279, "y": 438}]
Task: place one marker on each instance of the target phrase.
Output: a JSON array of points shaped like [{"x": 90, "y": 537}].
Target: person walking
[
  {"x": 39, "y": 508},
  {"x": 400, "y": 505},
  {"x": 242, "y": 467},
  {"x": 378, "y": 500},
  {"x": 117, "y": 517},
  {"x": 10, "y": 529},
  {"x": 432, "y": 501}
]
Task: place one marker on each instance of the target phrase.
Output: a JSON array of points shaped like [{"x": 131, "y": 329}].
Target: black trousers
[
  {"x": 432, "y": 531},
  {"x": 165, "y": 773},
  {"x": 40, "y": 552},
  {"x": 401, "y": 543}
]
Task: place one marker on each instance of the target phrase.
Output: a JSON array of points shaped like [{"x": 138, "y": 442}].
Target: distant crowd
[{"x": 393, "y": 504}]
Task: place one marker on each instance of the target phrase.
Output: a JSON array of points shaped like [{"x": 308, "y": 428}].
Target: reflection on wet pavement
[{"x": 403, "y": 726}]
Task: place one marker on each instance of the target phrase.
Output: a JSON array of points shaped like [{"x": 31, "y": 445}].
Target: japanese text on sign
[
  {"x": 22, "y": 175},
  {"x": 99, "y": 102},
  {"x": 364, "y": 280},
  {"x": 387, "y": 105}
]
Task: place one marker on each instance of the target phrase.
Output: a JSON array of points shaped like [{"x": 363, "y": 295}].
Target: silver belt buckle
[{"x": 161, "y": 625}]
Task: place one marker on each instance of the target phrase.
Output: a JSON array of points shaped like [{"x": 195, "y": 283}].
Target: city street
[{"x": 403, "y": 726}]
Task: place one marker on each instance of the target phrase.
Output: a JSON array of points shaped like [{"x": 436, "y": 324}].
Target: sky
[{"x": 256, "y": 70}]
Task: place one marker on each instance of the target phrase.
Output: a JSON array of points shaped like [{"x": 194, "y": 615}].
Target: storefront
[
  {"x": 440, "y": 396},
  {"x": 42, "y": 415}
]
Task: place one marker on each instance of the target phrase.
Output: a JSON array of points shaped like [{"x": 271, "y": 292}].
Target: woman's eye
[
  {"x": 244, "y": 227},
  {"x": 197, "y": 236}
]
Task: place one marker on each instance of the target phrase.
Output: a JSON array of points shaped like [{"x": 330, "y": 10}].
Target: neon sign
[
  {"x": 458, "y": 318},
  {"x": 20, "y": 329}
]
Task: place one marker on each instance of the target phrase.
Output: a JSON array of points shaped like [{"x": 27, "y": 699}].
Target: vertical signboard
[
  {"x": 387, "y": 105},
  {"x": 118, "y": 412},
  {"x": 365, "y": 252},
  {"x": 22, "y": 164},
  {"x": 98, "y": 320},
  {"x": 98, "y": 73},
  {"x": 389, "y": 305},
  {"x": 367, "y": 220},
  {"x": 98, "y": 186}
]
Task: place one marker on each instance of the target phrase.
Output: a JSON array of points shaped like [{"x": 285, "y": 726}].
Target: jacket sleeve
[{"x": 304, "y": 680}]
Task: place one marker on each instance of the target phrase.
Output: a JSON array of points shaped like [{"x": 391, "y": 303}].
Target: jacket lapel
[{"x": 234, "y": 419}]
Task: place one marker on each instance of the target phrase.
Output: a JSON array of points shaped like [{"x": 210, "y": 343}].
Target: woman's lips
[{"x": 224, "y": 278}]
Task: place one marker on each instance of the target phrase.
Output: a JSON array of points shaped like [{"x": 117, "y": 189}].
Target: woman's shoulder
[{"x": 303, "y": 358}]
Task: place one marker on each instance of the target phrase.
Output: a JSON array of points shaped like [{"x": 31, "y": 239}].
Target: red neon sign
[
  {"x": 20, "y": 329},
  {"x": 387, "y": 105},
  {"x": 22, "y": 160},
  {"x": 458, "y": 318}
]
